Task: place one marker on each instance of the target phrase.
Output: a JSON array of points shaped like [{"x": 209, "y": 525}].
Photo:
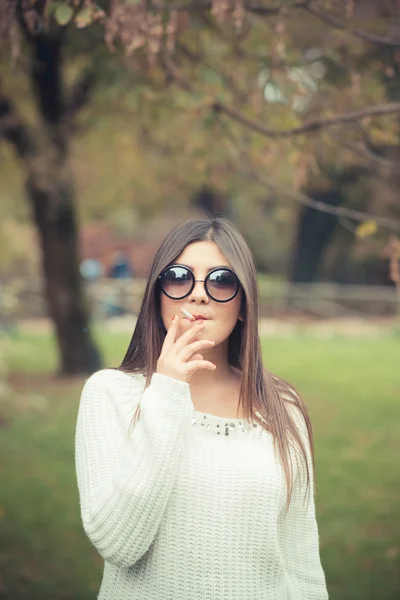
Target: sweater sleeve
[
  {"x": 298, "y": 534},
  {"x": 124, "y": 480}
]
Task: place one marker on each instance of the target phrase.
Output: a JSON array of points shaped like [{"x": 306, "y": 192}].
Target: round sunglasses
[{"x": 177, "y": 282}]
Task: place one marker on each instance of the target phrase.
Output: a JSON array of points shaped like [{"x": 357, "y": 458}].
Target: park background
[{"x": 119, "y": 120}]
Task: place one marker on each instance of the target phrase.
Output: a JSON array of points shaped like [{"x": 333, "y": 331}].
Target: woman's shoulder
[{"x": 113, "y": 381}]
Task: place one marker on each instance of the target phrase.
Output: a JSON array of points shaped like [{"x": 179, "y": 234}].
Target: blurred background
[{"x": 119, "y": 120}]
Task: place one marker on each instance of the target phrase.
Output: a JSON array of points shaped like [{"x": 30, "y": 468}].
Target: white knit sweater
[{"x": 187, "y": 505}]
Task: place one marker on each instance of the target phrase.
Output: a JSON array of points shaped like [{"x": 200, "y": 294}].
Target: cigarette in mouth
[{"x": 187, "y": 314}]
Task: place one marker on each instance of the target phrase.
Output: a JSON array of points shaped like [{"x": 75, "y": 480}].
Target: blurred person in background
[{"x": 120, "y": 269}]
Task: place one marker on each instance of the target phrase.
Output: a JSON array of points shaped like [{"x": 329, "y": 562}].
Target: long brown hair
[{"x": 266, "y": 398}]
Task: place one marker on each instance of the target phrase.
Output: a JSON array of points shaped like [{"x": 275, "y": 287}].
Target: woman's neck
[
  {"x": 204, "y": 378},
  {"x": 218, "y": 395},
  {"x": 221, "y": 377}
]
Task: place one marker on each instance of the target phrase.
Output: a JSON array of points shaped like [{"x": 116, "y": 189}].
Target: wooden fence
[{"x": 111, "y": 297}]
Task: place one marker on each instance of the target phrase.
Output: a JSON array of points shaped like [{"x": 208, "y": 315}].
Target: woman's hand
[{"x": 178, "y": 358}]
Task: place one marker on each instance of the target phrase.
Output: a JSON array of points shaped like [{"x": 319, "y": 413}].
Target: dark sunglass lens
[
  {"x": 222, "y": 284},
  {"x": 177, "y": 281}
]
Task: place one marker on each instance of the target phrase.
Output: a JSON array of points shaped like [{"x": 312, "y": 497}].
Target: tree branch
[
  {"x": 196, "y": 58},
  {"x": 174, "y": 73},
  {"x": 327, "y": 18},
  {"x": 246, "y": 166},
  {"x": 337, "y": 23},
  {"x": 307, "y": 5},
  {"x": 311, "y": 126},
  {"x": 265, "y": 11},
  {"x": 79, "y": 95},
  {"x": 365, "y": 152},
  {"x": 15, "y": 131}
]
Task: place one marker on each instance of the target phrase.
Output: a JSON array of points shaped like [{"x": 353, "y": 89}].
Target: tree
[
  {"x": 43, "y": 153},
  {"x": 264, "y": 70},
  {"x": 301, "y": 108}
]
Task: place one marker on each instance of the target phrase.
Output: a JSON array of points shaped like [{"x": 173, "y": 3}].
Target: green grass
[{"x": 351, "y": 387}]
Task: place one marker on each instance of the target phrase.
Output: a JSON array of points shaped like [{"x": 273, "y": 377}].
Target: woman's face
[{"x": 222, "y": 317}]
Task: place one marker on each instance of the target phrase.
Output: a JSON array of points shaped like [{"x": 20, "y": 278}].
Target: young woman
[{"x": 195, "y": 465}]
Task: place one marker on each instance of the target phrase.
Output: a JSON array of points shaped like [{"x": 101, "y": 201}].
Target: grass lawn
[{"x": 352, "y": 390}]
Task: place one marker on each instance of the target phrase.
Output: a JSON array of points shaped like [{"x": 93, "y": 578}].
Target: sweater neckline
[
  {"x": 222, "y": 425},
  {"x": 217, "y": 418}
]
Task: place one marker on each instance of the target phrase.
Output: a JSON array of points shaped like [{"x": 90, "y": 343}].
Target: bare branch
[
  {"x": 311, "y": 126},
  {"x": 278, "y": 9},
  {"x": 23, "y": 18},
  {"x": 174, "y": 73},
  {"x": 196, "y": 58},
  {"x": 365, "y": 152},
  {"x": 341, "y": 211},
  {"x": 80, "y": 93},
  {"x": 307, "y": 5},
  {"x": 327, "y": 18},
  {"x": 245, "y": 164},
  {"x": 15, "y": 131},
  {"x": 333, "y": 21}
]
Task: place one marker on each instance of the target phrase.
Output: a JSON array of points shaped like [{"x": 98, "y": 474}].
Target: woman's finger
[
  {"x": 194, "y": 365},
  {"x": 190, "y": 349},
  {"x": 185, "y": 338},
  {"x": 170, "y": 337}
]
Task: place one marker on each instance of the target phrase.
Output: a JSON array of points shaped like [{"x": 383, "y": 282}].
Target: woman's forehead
[{"x": 203, "y": 255}]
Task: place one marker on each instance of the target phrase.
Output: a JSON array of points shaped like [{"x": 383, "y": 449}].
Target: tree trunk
[
  {"x": 314, "y": 232},
  {"x": 43, "y": 152},
  {"x": 315, "y": 228},
  {"x": 54, "y": 216},
  {"x": 51, "y": 194}
]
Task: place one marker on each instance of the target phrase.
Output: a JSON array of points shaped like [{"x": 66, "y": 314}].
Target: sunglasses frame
[{"x": 204, "y": 280}]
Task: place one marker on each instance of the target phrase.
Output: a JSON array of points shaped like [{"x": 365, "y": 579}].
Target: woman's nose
[{"x": 199, "y": 291}]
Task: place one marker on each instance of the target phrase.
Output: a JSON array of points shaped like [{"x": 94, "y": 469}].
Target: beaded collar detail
[{"x": 223, "y": 426}]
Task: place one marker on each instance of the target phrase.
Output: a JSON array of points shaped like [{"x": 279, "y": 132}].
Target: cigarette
[{"x": 187, "y": 314}]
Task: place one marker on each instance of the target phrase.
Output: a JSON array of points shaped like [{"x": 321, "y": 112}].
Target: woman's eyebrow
[{"x": 210, "y": 268}]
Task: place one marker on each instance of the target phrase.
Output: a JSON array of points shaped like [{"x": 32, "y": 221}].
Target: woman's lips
[{"x": 191, "y": 317}]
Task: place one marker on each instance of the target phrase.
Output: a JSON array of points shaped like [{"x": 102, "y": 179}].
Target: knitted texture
[{"x": 186, "y": 505}]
